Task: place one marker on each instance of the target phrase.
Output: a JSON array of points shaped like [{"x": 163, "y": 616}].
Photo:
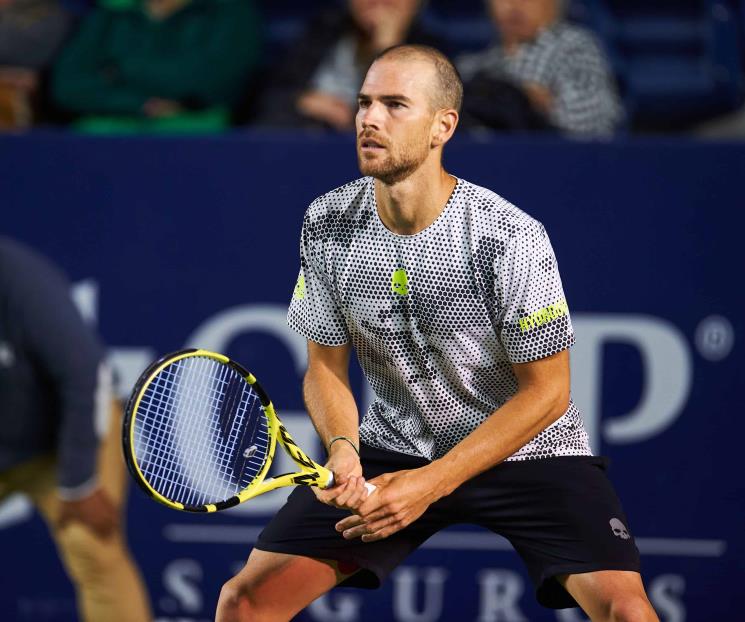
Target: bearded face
[
  {"x": 395, "y": 119},
  {"x": 392, "y": 158}
]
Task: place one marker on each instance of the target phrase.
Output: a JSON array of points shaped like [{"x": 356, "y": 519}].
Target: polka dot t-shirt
[{"x": 438, "y": 317}]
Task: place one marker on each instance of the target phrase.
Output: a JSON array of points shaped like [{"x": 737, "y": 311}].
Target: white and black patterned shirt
[
  {"x": 436, "y": 318},
  {"x": 569, "y": 62}
]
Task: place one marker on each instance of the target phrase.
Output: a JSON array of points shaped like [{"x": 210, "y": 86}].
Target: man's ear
[{"x": 443, "y": 126}]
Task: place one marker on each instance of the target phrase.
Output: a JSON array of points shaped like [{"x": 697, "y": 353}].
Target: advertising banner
[{"x": 195, "y": 242}]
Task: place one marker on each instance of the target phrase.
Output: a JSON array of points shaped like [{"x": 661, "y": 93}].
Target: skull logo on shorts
[{"x": 619, "y": 529}]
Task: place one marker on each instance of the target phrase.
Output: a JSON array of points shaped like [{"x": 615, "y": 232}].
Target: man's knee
[
  {"x": 233, "y": 592},
  {"x": 273, "y": 587},
  {"x": 632, "y": 608},
  {"x": 235, "y": 602}
]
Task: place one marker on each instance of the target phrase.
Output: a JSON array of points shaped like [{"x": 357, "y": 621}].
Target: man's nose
[{"x": 371, "y": 116}]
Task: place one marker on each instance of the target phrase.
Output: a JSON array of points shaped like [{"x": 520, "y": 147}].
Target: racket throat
[{"x": 305, "y": 479}]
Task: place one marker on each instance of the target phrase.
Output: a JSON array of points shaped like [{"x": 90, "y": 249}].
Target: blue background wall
[{"x": 184, "y": 241}]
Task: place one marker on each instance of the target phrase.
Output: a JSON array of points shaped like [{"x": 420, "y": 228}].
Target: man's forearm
[
  {"x": 526, "y": 414},
  {"x": 330, "y": 404}
]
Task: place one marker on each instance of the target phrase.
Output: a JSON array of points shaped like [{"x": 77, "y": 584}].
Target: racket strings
[
  {"x": 220, "y": 453},
  {"x": 200, "y": 434},
  {"x": 158, "y": 429},
  {"x": 226, "y": 453},
  {"x": 191, "y": 438},
  {"x": 211, "y": 455},
  {"x": 203, "y": 459},
  {"x": 165, "y": 477},
  {"x": 164, "y": 470}
]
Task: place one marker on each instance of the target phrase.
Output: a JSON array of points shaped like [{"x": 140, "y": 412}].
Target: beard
[{"x": 395, "y": 163}]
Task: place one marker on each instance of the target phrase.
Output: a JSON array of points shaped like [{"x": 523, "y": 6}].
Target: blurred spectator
[
  {"x": 60, "y": 434},
  {"x": 158, "y": 65},
  {"x": 322, "y": 74},
  {"x": 726, "y": 127},
  {"x": 562, "y": 75},
  {"x": 31, "y": 31}
]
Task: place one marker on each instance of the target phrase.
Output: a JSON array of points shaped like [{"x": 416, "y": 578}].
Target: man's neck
[{"x": 409, "y": 206}]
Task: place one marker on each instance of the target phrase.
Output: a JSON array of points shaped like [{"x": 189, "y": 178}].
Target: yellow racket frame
[{"x": 310, "y": 473}]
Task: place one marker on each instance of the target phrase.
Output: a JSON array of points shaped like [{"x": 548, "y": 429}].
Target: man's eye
[
  {"x": 395, "y": 105},
  {"x": 363, "y": 104}
]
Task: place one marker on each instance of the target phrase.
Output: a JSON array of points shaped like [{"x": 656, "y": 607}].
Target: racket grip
[{"x": 368, "y": 486}]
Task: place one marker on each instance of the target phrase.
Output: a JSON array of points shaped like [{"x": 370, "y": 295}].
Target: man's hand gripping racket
[{"x": 200, "y": 433}]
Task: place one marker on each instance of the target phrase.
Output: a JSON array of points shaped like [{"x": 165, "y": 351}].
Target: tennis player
[{"x": 452, "y": 299}]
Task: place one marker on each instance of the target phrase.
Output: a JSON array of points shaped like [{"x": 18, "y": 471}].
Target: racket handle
[{"x": 368, "y": 486}]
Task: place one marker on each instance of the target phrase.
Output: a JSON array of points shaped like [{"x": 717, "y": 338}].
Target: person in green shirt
[{"x": 158, "y": 65}]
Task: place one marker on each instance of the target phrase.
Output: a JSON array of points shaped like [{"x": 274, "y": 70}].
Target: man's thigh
[
  {"x": 276, "y": 586},
  {"x": 274, "y": 575},
  {"x": 561, "y": 515}
]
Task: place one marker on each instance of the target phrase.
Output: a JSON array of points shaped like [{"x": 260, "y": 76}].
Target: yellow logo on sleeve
[
  {"x": 544, "y": 316},
  {"x": 299, "y": 293}
]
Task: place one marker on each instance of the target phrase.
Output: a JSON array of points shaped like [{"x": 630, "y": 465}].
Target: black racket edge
[{"x": 127, "y": 449}]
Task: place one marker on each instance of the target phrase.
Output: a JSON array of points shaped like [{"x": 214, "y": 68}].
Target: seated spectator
[
  {"x": 319, "y": 82},
  {"x": 158, "y": 65},
  {"x": 31, "y": 32},
  {"x": 544, "y": 71}
]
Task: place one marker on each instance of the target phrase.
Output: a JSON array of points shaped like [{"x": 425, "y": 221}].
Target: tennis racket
[{"x": 200, "y": 434}]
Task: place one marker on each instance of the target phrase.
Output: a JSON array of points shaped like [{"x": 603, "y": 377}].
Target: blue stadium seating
[{"x": 678, "y": 61}]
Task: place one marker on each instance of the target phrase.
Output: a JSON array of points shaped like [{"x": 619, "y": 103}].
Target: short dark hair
[{"x": 449, "y": 93}]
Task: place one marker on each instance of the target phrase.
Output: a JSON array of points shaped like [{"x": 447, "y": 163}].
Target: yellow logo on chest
[{"x": 400, "y": 282}]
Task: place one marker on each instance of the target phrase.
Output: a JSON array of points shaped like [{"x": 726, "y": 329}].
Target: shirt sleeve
[
  {"x": 314, "y": 310},
  {"x": 533, "y": 312},
  {"x": 71, "y": 357}
]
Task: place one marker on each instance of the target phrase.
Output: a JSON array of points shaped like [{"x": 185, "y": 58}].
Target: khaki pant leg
[
  {"x": 33, "y": 478},
  {"x": 107, "y": 582}
]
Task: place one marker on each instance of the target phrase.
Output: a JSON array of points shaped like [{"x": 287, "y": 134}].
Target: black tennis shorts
[{"x": 561, "y": 515}]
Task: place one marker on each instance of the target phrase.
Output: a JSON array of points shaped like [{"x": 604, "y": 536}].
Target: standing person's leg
[
  {"x": 107, "y": 582},
  {"x": 273, "y": 587}
]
